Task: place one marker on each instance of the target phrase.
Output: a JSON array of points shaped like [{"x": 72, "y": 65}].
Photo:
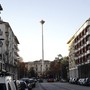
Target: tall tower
[{"x": 42, "y": 22}]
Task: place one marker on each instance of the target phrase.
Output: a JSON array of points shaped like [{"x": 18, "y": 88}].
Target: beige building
[
  {"x": 8, "y": 49},
  {"x": 37, "y": 65},
  {"x": 81, "y": 45}
]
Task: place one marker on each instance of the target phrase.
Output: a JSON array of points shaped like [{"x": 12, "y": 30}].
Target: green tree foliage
[
  {"x": 65, "y": 66},
  {"x": 31, "y": 72},
  {"x": 22, "y": 70},
  {"x": 59, "y": 67}
]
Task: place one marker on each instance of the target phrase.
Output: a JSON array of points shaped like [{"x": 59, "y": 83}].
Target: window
[
  {"x": 88, "y": 38},
  {"x": 88, "y": 56},
  {"x": 2, "y": 86},
  {"x": 88, "y": 47},
  {"x": 88, "y": 28}
]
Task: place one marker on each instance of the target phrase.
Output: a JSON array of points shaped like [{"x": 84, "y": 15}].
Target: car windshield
[
  {"x": 2, "y": 86},
  {"x": 26, "y": 80}
]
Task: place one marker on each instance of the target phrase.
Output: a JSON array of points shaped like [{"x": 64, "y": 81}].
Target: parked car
[
  {"x": 21, "y": 85},
  {"x": 50, "y": 80},
  {"x": 33, "y": 82},
  {"x": 87, "y": 81},
  {"x": 28, "y": 83},
  {"x": 73, "y": 80},
  {"x": 63, "y": 80},
  {"x": 6, "y": 82},
  {"x": 34, "y": 78},
  {"x": 82, "y": 81},
  {"x": 40, "y": 80}
]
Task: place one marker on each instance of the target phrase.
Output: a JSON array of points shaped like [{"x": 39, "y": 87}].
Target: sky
[{"x": 62, "y": 19}]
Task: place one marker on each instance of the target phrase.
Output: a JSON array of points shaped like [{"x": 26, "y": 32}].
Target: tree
[
  {"x": 22, "y": 70},
  {"x": 55, "y": 68},
  {"x": 59, "y": 68},
  {"x": 31, "y": 72},
  {"x": 65, "y": 67}
]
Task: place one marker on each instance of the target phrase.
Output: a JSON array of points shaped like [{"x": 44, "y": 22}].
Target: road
[{"x": 59, "y": 86}]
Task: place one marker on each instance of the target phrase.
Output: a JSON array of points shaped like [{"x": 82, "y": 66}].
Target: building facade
[
  {"x": 8, "y": 49},
  {"x": 73, "y": 71},
  {"x": 37, "y": 65},
  {"x": 81, "y": 45}
]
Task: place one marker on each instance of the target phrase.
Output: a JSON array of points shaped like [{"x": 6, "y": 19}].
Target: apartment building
[
  {"x": 81, "y": 46},
  {"x": 73, "y": 71},
  {"x": 8, "y": 49},
  {"x": 37, "y": 65}
]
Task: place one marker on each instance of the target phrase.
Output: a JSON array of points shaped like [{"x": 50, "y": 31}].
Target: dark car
[
  {"x": 33, "y": 82},
  {"x": 50, "y": 80},
  {"x": 81, "y": 81},
  {"x": 35, "y": 79},
  {"x": 74, "y": 80},
  {"x": 28, "y": 83},
  {"x": 87, "y": 81},
  {"x": 21, "y": 85},
  {"x": 40, "y": 80}
]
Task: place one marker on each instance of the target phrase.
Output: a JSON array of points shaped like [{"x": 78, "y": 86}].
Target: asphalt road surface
[{"x": 59, "y": 86}]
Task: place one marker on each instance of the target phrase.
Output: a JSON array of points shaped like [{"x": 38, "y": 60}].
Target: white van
[{"x": 6, "y": 83}]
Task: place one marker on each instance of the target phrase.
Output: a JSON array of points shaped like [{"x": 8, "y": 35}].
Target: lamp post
[{"x": 42, "y": 22}]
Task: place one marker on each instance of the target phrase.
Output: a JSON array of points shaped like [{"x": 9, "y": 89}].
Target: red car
[{"x": 50, "y": 80}]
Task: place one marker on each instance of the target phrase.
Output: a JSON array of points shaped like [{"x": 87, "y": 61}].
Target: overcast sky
[{"x": 62, "y": 19}]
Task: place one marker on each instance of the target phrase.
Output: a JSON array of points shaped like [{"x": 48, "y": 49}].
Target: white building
[{"x": 81, "y": 46}]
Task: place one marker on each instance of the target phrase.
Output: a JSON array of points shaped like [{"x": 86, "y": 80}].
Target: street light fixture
[{"x": 42, "y": 22}]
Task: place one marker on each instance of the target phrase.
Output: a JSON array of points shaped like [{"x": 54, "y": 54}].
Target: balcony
[
  {"x": 88, "y": 52},
  {"x": 88, "y": 42},
  {"x": 88, "y": 33}
]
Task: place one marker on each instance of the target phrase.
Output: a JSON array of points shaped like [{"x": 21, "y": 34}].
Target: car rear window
[{"x": 2, "y": 86}]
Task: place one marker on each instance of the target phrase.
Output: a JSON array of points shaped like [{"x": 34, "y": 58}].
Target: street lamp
[{"x": 42, "y": 22}]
